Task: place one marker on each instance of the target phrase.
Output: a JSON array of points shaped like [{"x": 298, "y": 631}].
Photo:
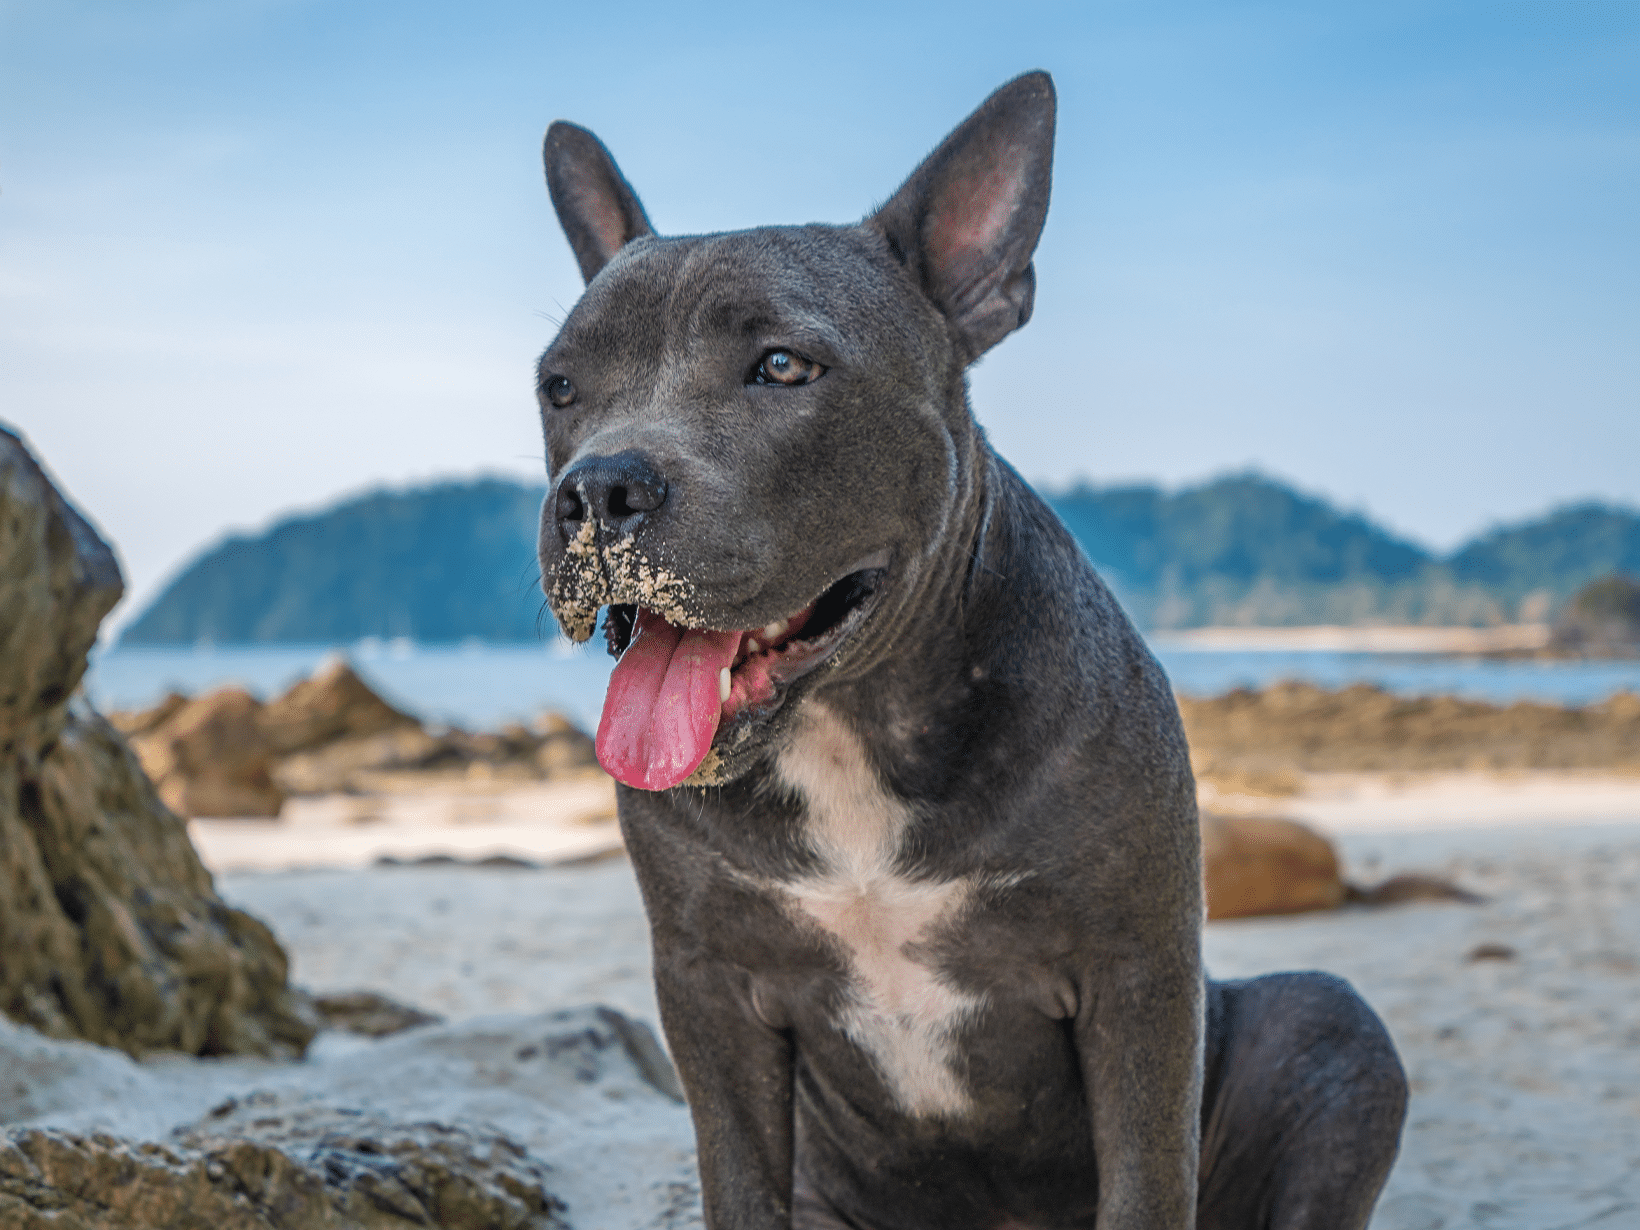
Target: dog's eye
[
  {"x": 558, "y": 390},
  {"x": 786, "y": 367}
]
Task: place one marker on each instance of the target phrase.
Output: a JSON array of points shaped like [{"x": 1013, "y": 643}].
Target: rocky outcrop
[
  {"x": 110, "y": 928},
  {"x": 335, "y": 1171},
  {"x": 211, "y": 757},
  {"x": 57, "y": 581},
  {"x": 516, "y": 1123},
  {"x": 334, "y": 703},
  {"x": 226, "y": 754},
  {"x": 1295, "y": 728}
]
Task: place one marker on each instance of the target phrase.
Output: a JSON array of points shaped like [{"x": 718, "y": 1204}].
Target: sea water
[{"x": 482, "y": 686}]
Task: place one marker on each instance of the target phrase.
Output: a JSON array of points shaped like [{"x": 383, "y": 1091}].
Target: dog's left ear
[
  {"x": 596, "y": 206},
  {"x": 967, "y": 220}
]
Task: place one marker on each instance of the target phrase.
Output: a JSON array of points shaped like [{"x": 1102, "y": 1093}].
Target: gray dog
[{"x": 907, "y": 797}]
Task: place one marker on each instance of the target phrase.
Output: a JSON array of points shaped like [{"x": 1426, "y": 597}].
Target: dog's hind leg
[{"x": 1302, "y": 1106}]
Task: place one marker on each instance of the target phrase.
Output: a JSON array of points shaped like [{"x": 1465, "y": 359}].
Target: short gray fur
[{"x": 1002, "y": 707}]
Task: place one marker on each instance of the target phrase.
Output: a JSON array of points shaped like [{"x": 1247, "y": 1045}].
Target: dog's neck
[{"x": 938, "y": 689}]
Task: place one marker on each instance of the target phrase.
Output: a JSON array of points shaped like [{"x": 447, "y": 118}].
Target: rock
[
  {"x": 325, "y": 1172},
  {"x": 141, "y": 721},
  {"x": 345, "y": 764},
  {"x": 1264, "y": 865},
  {"x": 110, "y": 928},
  {"x": 366, "y": 764},
  {"x": 57, "y": 581},
  {"x": 565, "y": 750},
  {"x": 334, "y": 703},
  {"x": 370, "y": 1014},
  {"x": 1297, "y": 727},
  {"x": 1408, "y": 887},
  {"x": 211, "y": 757},
  {"x": 499, "y": 1122},
  {"x": 227, "y": 754},
  {"x": 1491, "y": 952}
]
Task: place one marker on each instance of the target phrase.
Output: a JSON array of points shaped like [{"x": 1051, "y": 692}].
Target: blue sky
[{"x": 257, "y": 253}]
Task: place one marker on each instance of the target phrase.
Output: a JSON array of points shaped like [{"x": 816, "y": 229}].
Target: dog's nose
[{"x": 618, "y": 490}]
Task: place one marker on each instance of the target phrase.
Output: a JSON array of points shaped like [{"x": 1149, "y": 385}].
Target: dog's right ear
[
  {"x": 596, "y": 206},
  {"x": 967, "y": 220}
]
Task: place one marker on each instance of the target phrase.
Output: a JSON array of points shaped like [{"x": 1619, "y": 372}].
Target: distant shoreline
[{"x": 1338, "y": 638}]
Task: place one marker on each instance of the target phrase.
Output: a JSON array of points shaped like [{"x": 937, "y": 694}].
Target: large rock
[
  {"x": 335, "y": 1171},
  {"x": 1266, "y": 865},
  {"x": 57, "y": 581},
  {"x": 227, "y": 754},
  {"x": 333, "y": 703},
  {"x": 142, "y": 721},
  {"x": 110, "y": 928},
  {"x": 211, "y": 757}
]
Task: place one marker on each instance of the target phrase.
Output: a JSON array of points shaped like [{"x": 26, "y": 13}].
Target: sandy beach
[
  {"x": 1518, "y": 1019},
  {"x": 466, "y": 820},
  {"x": 1525, "y": 1068}
]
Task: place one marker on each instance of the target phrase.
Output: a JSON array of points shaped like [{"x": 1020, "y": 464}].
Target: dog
[{"x": 906, "y": 795}]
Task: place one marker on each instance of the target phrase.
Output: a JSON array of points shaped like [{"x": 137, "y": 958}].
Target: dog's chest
[{"x": 899, "y": 1010}]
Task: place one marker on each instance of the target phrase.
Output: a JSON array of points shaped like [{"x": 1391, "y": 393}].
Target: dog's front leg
[
  {"x": 1139, "y": 1034},
  {"x": 737, "y": 1074}
]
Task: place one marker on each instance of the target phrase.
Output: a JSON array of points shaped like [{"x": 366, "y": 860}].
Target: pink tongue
[{"x": 662, "y": 707}]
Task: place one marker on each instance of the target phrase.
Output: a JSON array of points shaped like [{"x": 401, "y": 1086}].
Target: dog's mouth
[{"x": 675, "y": 690}]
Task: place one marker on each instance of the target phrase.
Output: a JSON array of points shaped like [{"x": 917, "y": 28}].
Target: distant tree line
[
  {"x": 1247, "y": 550},
  {"x": 456, "y": 560},
  {"x": 442, "y": 563}
]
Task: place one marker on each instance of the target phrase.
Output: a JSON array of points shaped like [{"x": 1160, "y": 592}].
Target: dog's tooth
[
  {"x": 723, "y": 685},
  {"x": 775, "y": 631},
  {"x": 752, "y": 646}
]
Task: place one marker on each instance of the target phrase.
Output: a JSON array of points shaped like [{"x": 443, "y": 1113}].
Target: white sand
[
  {"x": 539, "y": 822},
  {"x": 1338, "y": 803},
  {"x": 1526, "y": 1072},
  {"x": 1336, "y": 638},
  {"x": 463, "y": 942}
]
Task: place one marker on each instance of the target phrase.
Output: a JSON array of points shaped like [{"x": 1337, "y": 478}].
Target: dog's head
[{"x": 759, "y": 443}]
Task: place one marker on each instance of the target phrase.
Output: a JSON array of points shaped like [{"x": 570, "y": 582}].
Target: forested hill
[
  {"x": 456, "y": 560},
  {"x": 1246, "y": 550},
  {"x": 1559, "y": 553},
  {"x": 439, "y": 563}
]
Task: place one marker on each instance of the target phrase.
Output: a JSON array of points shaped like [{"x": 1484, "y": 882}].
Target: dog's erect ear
[
  {"x": 596, "y": 206},
  {"x": 967, "y": 220}
]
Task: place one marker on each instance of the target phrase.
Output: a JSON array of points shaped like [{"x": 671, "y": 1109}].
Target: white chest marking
[{"x": 901, "y": 1012}]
